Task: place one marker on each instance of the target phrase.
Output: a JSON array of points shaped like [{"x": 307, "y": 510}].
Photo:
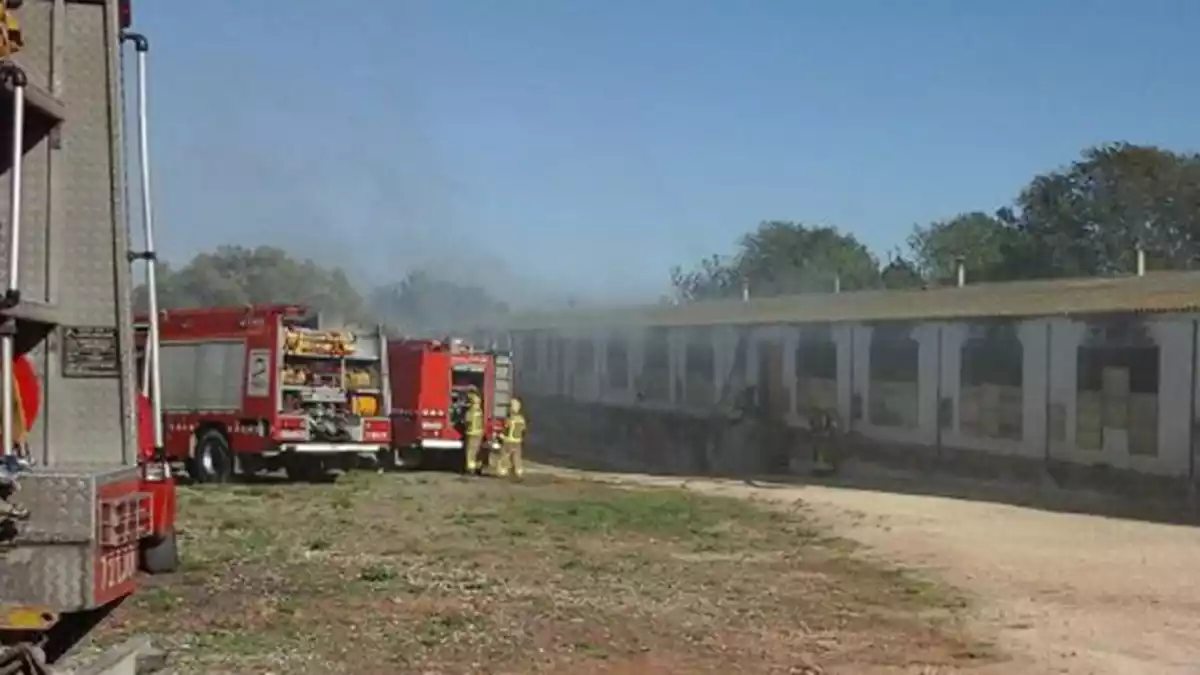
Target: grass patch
[
  {"x": 437, "y": 573},
  {"x": 658, "y": 512}
]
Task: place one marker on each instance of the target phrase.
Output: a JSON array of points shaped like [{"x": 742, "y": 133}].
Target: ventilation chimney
[
  {"x": 745, "y": 290},
  {"x": 961, "y": 271},
  {"x": 1141, "y": 261}
]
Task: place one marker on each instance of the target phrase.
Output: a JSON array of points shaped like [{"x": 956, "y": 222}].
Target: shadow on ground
[{"x": 601, "y": 438}]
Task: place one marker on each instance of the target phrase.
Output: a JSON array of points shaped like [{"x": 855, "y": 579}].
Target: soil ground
[
  {"x": 1064, "y": 593},
  {"x": 438, "y": 573}
]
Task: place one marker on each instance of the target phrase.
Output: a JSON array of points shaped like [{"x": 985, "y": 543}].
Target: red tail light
[{"x": 125, "y": 13}]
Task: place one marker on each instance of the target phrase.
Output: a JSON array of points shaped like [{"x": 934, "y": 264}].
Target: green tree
[
  {"x": 986, "y": 245},
  {"x": 1088, "y": 219},
  {"x": 235, "y": 275},
  {"x": 785, "y": 257},
  {"x": 901, "y": 274},
  {"x": 712, "y": 278},
  {"x": 781, "y": 257}
]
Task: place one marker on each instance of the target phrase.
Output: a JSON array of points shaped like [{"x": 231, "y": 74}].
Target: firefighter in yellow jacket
[
  {"x": 474, "y": 430},
  {"x": 511, "y": 441}
]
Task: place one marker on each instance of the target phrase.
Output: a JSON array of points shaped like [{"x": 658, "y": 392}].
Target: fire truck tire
[
  {"x": 162, "y": 555},
  {"x": 212, "y": 462}
]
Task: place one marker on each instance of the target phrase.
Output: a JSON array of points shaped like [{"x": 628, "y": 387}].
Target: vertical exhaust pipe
[
  {"x": 1141, "y": 261},
  {"x": 14, "y": 76},
  {"x": 960, "y": 270},
  {"x": 151, "y": 370}
]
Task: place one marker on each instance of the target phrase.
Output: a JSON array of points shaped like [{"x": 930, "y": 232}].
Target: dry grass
[{"x": 432, "y": 573}]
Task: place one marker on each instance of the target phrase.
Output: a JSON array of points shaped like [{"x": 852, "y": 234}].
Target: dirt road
[{"x": 1062, "y": 593}]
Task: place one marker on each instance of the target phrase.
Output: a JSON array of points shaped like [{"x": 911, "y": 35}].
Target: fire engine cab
[
  {"x": 268, "y": 387},
  {"x": 429, "y": 385}
]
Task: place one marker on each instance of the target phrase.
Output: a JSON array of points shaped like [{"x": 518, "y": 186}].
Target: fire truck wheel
[
  {"x": 162, "y": 555},
  {"x": 212, "y": 461}
]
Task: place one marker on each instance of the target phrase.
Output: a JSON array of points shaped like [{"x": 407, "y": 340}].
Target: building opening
[
  {"x": 1117, "y": 389},
  {"x": 894, "y": 377},
  {"x": 991, "y": 378},
  {"x": 699, "y": 366},
  {"x": 655, "y": 380},
  {"x": 816, "y": 370}
]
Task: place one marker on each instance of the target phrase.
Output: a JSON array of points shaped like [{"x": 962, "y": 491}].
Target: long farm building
[{"x": 1097, "y": 374}]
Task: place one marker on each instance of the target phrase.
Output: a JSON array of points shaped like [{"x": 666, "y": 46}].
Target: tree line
[
  {"x": 420, "y": 303},
  {"x": 1085, "y": 219}
]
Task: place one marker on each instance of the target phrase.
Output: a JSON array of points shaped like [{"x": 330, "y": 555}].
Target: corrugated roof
[{"x": 1156, "y": 292}]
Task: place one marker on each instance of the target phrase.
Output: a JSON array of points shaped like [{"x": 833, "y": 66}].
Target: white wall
[{"x": 1048, "y": 385}]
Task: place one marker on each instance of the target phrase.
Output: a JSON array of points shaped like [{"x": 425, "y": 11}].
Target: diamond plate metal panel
[
  {"x": 89, "y": 421},
  {"x": 58, "y": 576},
  {"x": 35, "y": 17},
  {"x": 61, "y": 505},
  {"x": 35, "y": 220},
  {"x": 53, "y": 563},
  {"x": 35, "y": 59},
  {"x": 73, "y": 236}
]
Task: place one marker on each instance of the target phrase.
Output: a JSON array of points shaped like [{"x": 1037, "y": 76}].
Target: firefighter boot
[
  {"x": 513, "y": 455},
  {"x": 503, "y": 460}
]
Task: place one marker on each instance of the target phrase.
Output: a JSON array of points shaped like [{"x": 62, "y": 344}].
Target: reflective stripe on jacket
[
  {"x": 475, "y": 421},
  {"x": 514, "y": 429}
]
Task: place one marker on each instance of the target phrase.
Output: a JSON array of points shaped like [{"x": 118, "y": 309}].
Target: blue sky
[{"x": 588, "y": 145}]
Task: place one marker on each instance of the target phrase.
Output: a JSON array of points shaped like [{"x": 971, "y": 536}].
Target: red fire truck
[
  {"x": 94, "y": 500},
  {"x": 260, "y": 388},
  {"x": 429, "y": 384}
]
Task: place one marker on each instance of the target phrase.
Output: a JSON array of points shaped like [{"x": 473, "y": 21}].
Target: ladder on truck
[{"x": 151, "y": 382}]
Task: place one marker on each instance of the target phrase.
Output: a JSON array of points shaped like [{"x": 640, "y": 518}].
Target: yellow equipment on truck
[{"x": 11, "y": 40}]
